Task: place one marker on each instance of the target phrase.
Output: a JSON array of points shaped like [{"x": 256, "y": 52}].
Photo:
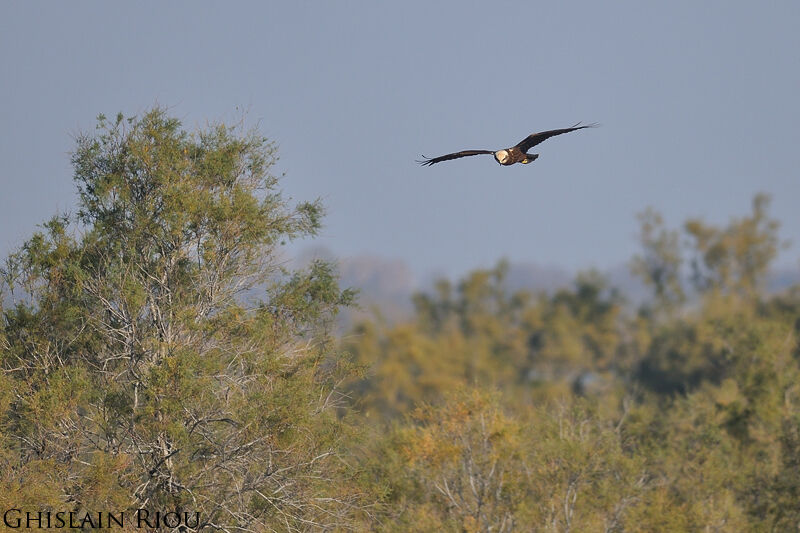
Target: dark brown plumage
[{"x": 509, "y": 156}]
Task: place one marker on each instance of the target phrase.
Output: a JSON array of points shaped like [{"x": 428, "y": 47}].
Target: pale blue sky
[{"x": 698, "y": 103}]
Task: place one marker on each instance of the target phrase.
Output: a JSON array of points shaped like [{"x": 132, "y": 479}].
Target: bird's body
[
  {"x": 509, "y": 156},
  {"x": 513, "y": 155}
]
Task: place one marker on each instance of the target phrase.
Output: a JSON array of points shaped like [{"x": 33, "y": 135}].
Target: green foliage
[
  {"x": 157, "y": 354},
  {"x": 574, "y": 412},
  {"x": 734, "y": 259},
  {"x": 468, "y": 466},
  {"x": 659, "y": 264},
  {"x": 481, "y": 334}
]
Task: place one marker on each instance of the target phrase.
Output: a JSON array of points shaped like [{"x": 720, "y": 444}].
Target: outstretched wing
[
  {"x": 431, "y": 160},
  {"x": 535, "y": 138}
]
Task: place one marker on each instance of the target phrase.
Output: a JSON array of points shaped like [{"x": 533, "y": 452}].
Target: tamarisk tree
[{"x": 157, "y": 353}]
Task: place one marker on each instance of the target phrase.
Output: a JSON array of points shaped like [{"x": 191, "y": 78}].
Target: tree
[
  {"x": 158, "y": 353},
  {"x": 469, "y": 466},
  {"x": 734, "y": 259},
  {"x": 659, "y": 264},
  {"x": 729, "y": 267}
]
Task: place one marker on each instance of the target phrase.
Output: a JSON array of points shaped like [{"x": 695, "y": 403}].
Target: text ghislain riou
[{"x": 140, "y": 518}]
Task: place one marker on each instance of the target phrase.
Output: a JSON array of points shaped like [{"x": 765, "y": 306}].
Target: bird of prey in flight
[{"x": 509, "y": 156}]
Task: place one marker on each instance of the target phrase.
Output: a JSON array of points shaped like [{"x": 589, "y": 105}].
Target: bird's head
[{"x": 502, "y": 156}]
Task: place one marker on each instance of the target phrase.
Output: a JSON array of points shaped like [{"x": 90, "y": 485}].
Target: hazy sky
[{"x": 698, "y": 101}]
